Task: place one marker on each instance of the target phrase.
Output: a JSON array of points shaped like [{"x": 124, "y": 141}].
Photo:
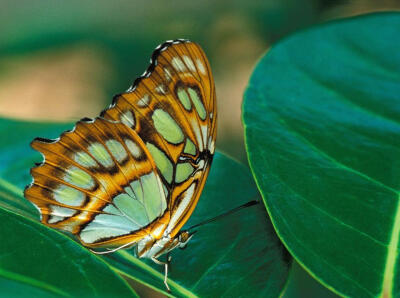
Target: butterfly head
[{"x": 184, "y": 237}]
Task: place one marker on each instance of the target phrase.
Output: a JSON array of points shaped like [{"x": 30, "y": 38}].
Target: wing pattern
[
  {"x": 139, "y": 168},
  {"x": 173, "y": 109},
  {"x": 98, "y": 182}
]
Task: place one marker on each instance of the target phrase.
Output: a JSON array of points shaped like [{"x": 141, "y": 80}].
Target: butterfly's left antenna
[{"x": 234, "y": 210}]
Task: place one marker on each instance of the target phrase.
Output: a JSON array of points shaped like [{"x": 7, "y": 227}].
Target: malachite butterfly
[{"x": 133, "y": 175}]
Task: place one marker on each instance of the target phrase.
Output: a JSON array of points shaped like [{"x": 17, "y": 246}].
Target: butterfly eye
[{"x": 184, "y": 238}]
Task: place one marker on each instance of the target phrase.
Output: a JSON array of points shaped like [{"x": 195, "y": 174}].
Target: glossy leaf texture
[
  {"x": 36, "y": 262},
  {"x": 322, "y": 128},
  {"x": 238, "y": 255}
]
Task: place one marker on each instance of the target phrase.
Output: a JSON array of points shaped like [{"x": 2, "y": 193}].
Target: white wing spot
[
  {"x": 144, "y": 101},
  {"x": 100, "y": 153},
  {"x": 127, "y": 118},
  {"x": 55, "y": 219},
  {"x": 84, "y": 159},
  {"x": 79, "y": 178},
  {"x": 68, "y": 195},
  {"x": 178, "y": 64},
  {"x": 59, "y": 213},
  {"x": 211, "y": 146},
  {"x": 133, "y": 148},
  {"x": 189, "y": 63},
  {"x": 117, "y": 150},
  {"x": 201, "y": 67},
  {"x": 161, "y": 89},
  {"x": 204, "y": 132},
  {"x": 201, "y": 164},
  {"x": 197, "y": 133},
  {"x": 167, "y": 74}
]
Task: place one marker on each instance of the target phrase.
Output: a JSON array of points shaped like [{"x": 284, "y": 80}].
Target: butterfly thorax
[{"x": 152, "y": 248}]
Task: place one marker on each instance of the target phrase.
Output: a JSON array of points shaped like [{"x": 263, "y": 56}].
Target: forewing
[
  {"x": 98, "y": 182},
  {"x": 172, "y": 108}
]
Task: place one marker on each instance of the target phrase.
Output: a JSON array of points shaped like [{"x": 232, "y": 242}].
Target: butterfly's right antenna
[{"x": 234, "y": 210}]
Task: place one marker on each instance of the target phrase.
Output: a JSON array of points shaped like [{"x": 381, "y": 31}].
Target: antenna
[{"x": 234, "y": 210}]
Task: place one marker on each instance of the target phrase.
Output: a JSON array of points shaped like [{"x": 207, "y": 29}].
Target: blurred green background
[{"x": 64, "y": 60}]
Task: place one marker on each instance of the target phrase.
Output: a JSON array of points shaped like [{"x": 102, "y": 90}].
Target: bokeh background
[{"x": 64, "y": 60}]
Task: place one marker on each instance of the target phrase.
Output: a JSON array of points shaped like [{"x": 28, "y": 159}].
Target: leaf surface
[{"x": 322, "y": 125}]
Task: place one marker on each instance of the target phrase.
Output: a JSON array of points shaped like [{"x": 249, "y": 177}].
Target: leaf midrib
[
  {"x": 301, "y": 244},
  {"x": 392, "y": 247},
  {"x": 388, "y": 277}
]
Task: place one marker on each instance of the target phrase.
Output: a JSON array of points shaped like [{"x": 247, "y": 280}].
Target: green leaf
[
  {"x": 322, "y": 125},
  {"x": 39, "y": 262},
  {"x": 224, "y": 258}
]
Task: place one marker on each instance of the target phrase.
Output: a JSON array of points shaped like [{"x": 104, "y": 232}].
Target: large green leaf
[
  {"x": 38, "y": 262},
  {"x": 224, "y": 258},
  {"x": 322, "y": 125}
]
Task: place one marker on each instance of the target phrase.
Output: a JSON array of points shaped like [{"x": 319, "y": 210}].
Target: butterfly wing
[
  {"x": 98, "y": 182},
  {"x": 172, "y": 108}
]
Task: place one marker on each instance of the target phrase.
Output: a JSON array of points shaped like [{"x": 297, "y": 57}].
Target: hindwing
[{"x": 98, "y": 182}]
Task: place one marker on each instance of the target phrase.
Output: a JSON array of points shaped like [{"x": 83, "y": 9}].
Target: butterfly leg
[{"x": 166, "y": 265}]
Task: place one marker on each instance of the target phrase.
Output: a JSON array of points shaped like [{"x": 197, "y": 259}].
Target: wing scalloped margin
[{"x": 98, "y": 176}]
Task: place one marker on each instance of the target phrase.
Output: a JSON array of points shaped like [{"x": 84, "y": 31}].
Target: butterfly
[{"x": 133, "y": 175}]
